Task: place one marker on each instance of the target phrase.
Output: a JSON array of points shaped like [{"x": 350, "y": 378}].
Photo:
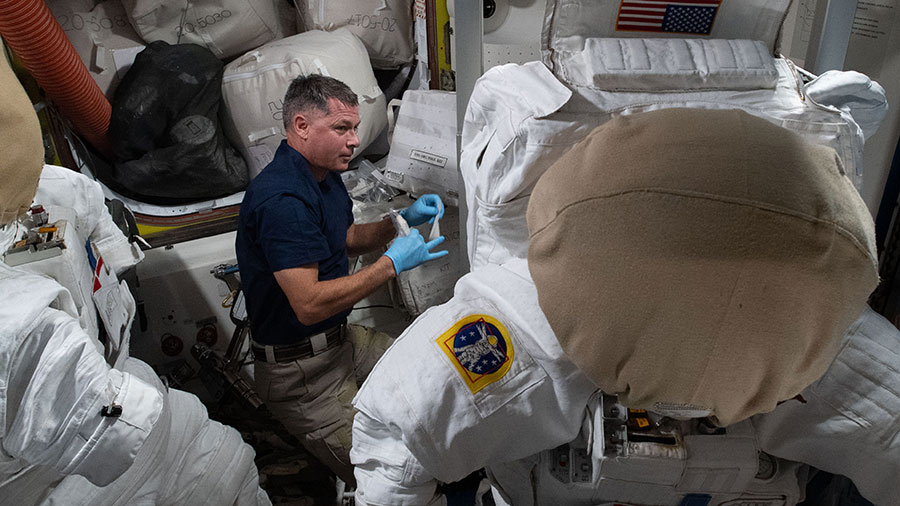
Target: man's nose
[{"x": 353, "y": 141}]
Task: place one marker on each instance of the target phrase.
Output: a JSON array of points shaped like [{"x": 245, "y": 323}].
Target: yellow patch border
[{"x": 474, "y": 381}]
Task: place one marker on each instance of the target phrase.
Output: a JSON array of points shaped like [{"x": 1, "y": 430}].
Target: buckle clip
[{"x": 112, "y": 411}]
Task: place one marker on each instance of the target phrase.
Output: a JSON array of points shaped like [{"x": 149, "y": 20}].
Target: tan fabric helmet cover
[
  {"x": 700, "y": 262},
  {"x": 21, "y": 146}
]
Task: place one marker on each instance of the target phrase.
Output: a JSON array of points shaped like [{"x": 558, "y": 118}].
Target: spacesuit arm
[
  {"x": 385, "y": 470},
  {"x": 847, "y": 423},
  {"x": 61, "y": 404},
  {"x": 862, "y": 101}
]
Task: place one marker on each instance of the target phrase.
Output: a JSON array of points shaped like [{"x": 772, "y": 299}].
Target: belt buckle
[
  {"x": 270, "y": 354},
  {"x": 319, "y": 343}
]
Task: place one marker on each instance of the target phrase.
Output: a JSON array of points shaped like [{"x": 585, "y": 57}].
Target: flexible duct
[{"x": 33, "y": 34}]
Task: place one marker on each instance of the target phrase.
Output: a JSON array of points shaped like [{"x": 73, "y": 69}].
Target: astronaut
[
  {"x": 708, "y": 267},
  {"x": 81, "y": 422}
]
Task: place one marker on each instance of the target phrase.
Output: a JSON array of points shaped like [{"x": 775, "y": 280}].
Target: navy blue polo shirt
[{"x": 288, "y": 219}]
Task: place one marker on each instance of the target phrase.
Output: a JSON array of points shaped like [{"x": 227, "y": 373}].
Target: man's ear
[{"x": 300, "y": 125}]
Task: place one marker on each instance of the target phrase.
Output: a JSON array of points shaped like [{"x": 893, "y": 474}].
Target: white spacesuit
[
  {"x": 428, "y": 414},
  {"x": 80, "y": 424},
  {"x": 536, "y": 423}
]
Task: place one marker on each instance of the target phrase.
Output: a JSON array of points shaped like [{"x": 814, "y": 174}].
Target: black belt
[{"x": 307, "y": 347}]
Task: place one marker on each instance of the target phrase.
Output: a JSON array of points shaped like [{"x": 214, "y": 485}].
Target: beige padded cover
[
  {"x": 226, "y": 27},
  {"x": 254, "y": 85},
  {"x": 385, "y": 26},
  {"x": 700, "y": 262},
  {"x": 21, "y": 146}
]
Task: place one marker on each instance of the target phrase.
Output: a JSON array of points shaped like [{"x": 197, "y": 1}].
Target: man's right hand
[{"x": 412, "y": 251}]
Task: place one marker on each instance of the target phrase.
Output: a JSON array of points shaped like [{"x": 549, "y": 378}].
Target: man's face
[{"x": 332, "y": 137}]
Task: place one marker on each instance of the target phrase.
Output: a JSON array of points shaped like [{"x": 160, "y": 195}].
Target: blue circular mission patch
[{"x": 480, "y": 347}]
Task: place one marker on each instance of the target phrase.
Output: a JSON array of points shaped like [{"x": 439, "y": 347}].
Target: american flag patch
[{"x": 694, "y": 17}]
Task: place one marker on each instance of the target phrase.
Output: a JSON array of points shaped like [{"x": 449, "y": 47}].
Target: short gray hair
[{"x": 312, "y": 92}]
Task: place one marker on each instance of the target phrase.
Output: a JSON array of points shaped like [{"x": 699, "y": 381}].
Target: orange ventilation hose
[{"x": 33, "y": 34}]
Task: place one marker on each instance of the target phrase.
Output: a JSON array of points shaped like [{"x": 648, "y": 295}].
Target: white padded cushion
[
  {"x": 254, "y": 85},
  {"x": 385, "y": 26}
]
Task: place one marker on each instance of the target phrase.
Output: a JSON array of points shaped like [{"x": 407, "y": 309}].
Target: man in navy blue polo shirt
[{"x": 295, "y": 233}]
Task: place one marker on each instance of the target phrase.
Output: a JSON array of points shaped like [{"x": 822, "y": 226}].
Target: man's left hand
[{"x": 425, "y": 208}]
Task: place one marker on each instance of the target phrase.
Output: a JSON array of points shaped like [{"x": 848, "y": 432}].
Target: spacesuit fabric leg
[{"x": 187, "y": 460}]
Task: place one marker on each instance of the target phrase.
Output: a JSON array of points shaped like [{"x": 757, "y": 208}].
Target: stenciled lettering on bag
[
  {"x": 203, "y": 21},
  {"x": 77, "y": 22},
  {"x": 429, "y": 158},
  {"x": 276, "y": 107},
  {"x": 370, "y": 22}
]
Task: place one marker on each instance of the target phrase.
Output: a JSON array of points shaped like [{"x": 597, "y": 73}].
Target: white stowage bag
[
  {"x": 423, "y": 145},
  {"x": 385, "y": 26},
  {"x": 254, "y": 85},
  {"x": 102, "y": 37},
  {"x": 432, "y": 283},
  {"x": 226, "y": 27}
]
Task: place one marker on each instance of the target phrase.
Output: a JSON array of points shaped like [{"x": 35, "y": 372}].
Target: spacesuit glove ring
[{"x": 412, "y": 251}]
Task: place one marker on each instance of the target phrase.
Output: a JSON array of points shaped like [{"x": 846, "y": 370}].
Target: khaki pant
[{"x": 311, "y": 396}]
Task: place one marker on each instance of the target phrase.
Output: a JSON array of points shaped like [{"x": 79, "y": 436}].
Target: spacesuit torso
[
  {"x": 510, "y": 139},
  {"x": 546, "y": 436},
  {"x": 85, "y": 237},
  {"x": 532, "y": 419},
  {"x": 488, "y": 383}
]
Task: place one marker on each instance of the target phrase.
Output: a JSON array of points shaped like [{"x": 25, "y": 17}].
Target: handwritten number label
[{"x": 373, "y": 22}]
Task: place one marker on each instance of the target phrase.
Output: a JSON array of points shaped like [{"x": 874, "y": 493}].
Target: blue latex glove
[
  {"x": 425, "y": 208},
  {"x": 411, "y": 251}
]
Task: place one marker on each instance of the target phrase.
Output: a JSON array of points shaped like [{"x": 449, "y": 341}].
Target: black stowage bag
[{"x": 165, "y": 129}]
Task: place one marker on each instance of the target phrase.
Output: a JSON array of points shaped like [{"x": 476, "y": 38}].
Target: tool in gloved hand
[
  {"x": 435, "y": 228},
  {"x": 401, "y": 224},
  {"x": 409, "y": 249}
]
